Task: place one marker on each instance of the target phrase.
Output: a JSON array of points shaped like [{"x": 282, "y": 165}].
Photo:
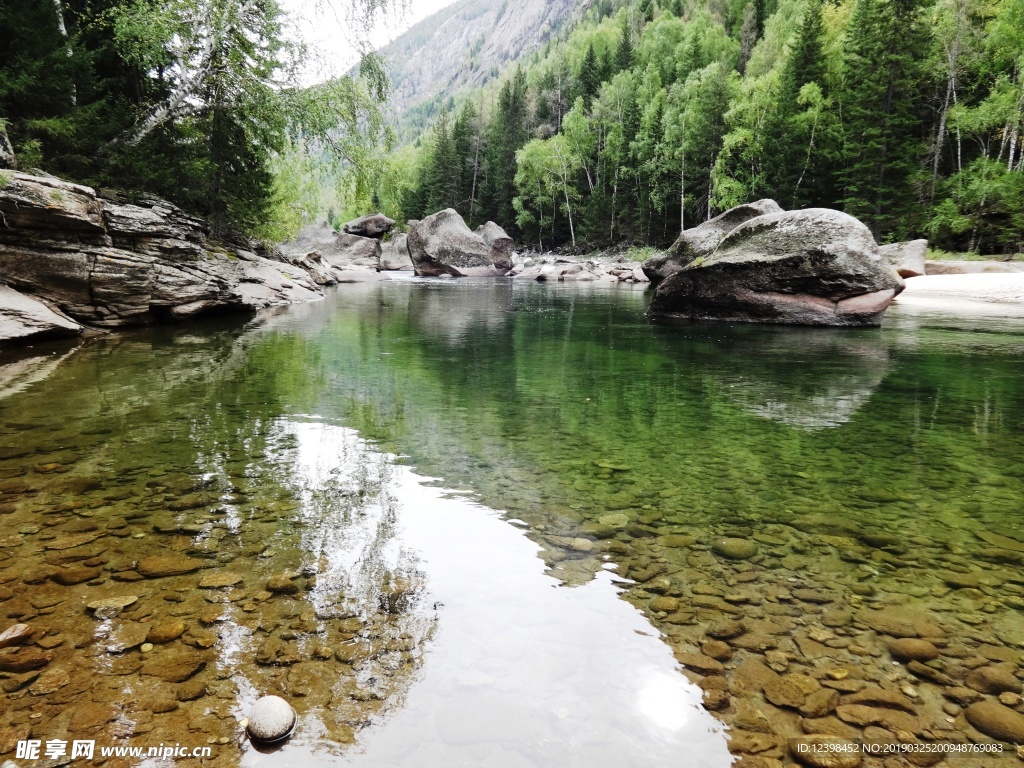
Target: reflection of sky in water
[{"x": 519, "y": 670}]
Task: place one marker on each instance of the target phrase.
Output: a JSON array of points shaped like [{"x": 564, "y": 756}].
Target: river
[{"x": 481, "y": 523}]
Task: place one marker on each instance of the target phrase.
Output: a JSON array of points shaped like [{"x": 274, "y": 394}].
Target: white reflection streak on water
[{"x": 520, "y": 672}]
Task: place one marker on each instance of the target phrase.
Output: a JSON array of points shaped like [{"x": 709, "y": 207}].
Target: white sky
[{"x": 322, "y": 25}]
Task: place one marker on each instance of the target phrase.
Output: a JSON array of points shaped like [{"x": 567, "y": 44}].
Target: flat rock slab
[
  {"x": 111, "y": 606},
  {"x": 219, "y": 580},
  {"x": 128, "y": 635},
  {"x": 23, "y": 659},
  {"x": 176, "y": 668}
]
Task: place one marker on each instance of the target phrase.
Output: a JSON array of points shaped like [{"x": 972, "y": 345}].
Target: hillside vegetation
[{"x": 649, "y": 117}]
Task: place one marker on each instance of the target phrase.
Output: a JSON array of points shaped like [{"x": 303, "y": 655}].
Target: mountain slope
[{"x": 465, "y": 45}]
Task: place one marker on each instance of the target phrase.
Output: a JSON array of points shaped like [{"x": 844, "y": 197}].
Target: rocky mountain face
[
  {"x": 70, "y": 258},
  {"x": 467, "y": 44}
]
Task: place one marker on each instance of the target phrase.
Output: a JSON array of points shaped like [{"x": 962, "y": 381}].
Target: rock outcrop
[
  {"x": 103, "y": 262},
  {"x": 341, "y": 251},
  {"x": 442, "y": 244},
  {"x": 811, "y": 267},
  {"x": 394, "y": 256},
  {"x": 906, "y": 258},
  {"x": 25, "y": 319},
  {"x": 701, "y": 241},
  {"x": 374, "y": 225}
]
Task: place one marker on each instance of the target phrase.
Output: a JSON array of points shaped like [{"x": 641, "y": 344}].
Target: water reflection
[{"x": 807, "y": 379}]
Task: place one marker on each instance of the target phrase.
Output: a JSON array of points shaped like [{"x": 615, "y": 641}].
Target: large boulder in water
[
  {"x": 394, "y": 256},
  {"x": 499, "y": 242},
  {"x": 352, "y": 251},
  {"x": 701, "y": 241},
  {"x": 338, "y": 250},
  {"x": 811, "y": 267},
  {"x": 442, "y": 244},
  {"x": 374, "y": 225},
  {"x": 906, "y": 258}
]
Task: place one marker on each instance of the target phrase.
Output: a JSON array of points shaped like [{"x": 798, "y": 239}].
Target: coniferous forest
[{"x": 639, "y": 119}]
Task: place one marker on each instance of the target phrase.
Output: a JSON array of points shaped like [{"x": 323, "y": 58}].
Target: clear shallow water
[{"x": 866, "y": 464}]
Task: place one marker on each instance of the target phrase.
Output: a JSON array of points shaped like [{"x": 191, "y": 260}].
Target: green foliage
[
  {"x": 188, "y": 99},
  {"x": 679, "y": 113}
]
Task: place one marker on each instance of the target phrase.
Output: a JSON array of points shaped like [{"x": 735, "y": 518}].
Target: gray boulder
[
  {"x": 337, "y": 250},
  {"x": 394, "y": 256},
  {"x": 374, "y": 225},
  {"x": 702, "y": 240},
  {"x": 500, "y": 243},
  {"x": 442, "y": 244},
  {"x": 24, "y": 319},
  {"x": 811, "y": 267},
  {"x": 906, "y": 258},
  {"x": 348, "y": 251}
]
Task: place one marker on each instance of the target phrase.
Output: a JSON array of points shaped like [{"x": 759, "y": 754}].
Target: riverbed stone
[
  {"x": 879, "y": 697},
  {"x": 911, "y": 649},
  {"x": 790, "y": 690},
  {"x": 996, "y": 720},
  {"x": 220, "y": 580},
  {"x": 76, "y": 575},
  {"x": 23, "y": 659},
  {"x": 283, "y": 584},
  {"x": 726, "y": 630},
  {"x": 159, "y": 566},
  {"x": 666, "y": 604},
  {"x": 111, "y": 606},
  {"x": 699, "y": 663},
  {"x": 820, "y": 703},
  {"x": 994, "y": 680},
  {"x": 16, "y": 634},
  {"x": 174, "y": 668},
  {"x": 165, "y": 631},
  {"x": 128, "y": 635},
  {"x": 735, "y": 548}
]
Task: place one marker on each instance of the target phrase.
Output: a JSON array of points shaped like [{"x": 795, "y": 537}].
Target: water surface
[{"x": 452, "y": 485}]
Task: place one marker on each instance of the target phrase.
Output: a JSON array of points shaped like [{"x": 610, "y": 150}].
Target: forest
[
  {"x": 641, "y": 119},
  {"x": 649, "y": 118},
  {"x": 196, "y": 101}
]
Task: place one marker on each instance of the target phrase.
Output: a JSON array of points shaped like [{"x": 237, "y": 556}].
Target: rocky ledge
[{"x": 72, "y": 259}]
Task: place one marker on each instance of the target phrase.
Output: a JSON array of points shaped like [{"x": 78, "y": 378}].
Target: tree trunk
[
  {"x": 58, "y": 7},
  {"x": 952, "y": 57}
]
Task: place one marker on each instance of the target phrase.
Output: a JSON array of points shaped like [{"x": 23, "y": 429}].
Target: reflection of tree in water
[{"x": 173, "y": 447}]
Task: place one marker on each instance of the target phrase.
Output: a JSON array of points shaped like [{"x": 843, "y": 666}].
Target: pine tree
[
  {"x": 441, "y": 177},
  {"x": 785, "y": 155},
  {"x": 882, "y": 106},
  {"x": 507, "y": 133},
  {"x": 624, "y": 53},
  {"x": 589, "y": 76}
]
